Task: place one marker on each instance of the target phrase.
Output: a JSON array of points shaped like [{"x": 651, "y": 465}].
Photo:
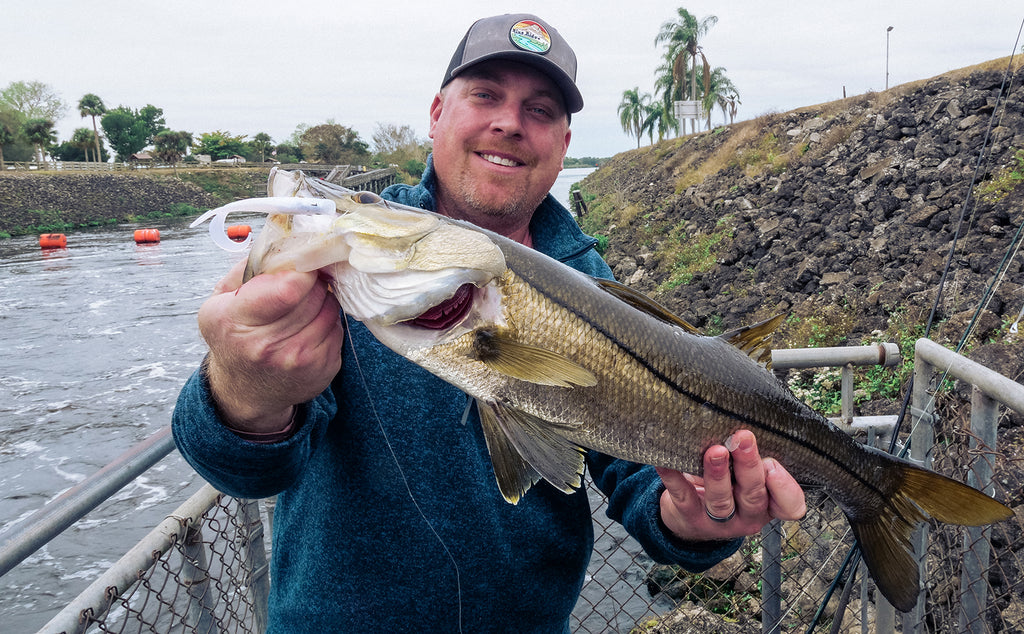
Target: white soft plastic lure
[{"x": 270, "y": 205}]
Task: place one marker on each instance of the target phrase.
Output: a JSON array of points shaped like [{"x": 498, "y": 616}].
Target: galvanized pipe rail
[
  {"x": 989, "y": 388},
  {"x": 883, "y": 354},
  {"x": 28, "y": 536}
]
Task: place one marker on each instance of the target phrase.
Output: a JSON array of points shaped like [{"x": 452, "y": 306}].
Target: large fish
[{"x": 559, "y": 361}]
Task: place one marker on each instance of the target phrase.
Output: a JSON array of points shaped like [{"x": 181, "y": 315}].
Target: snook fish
[{"x": 558, "y": 361}]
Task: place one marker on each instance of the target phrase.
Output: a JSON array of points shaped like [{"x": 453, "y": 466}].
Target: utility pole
[{"x": 887, "y": 31}]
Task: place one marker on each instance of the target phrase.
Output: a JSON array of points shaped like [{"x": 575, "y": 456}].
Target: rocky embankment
[
  {"x": 63, "y": 201},
  {"x": 843, "y": 216}
]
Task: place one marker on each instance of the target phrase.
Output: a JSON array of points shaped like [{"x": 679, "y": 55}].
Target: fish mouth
[
  {"x": 496, "y": 159},
  {"x": 448, "y": 313}
]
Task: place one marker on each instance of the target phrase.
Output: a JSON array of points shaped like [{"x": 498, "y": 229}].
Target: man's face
[{"x": 500, "y": 133}]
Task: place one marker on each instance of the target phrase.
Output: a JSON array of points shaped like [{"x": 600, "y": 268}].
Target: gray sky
[{"x": 259, "y": 66}]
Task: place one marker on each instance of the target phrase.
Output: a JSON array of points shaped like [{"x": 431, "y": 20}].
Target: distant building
[
  {"x": 141, "y": 157},
  {"x": 234, "y": 158}
]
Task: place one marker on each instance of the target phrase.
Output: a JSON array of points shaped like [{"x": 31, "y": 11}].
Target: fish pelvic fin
[
  {"x": 885, "y": 538},
  {"x": 525, "y": 449},
  {"x": 527, "y": 362},
  {"x": 755, "y": 341}
]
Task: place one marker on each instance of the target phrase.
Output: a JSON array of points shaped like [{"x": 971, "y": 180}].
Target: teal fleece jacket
[{"x": 388, "y": 516}]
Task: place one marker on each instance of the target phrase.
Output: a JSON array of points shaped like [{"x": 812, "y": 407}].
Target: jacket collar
[{"x": 554, "y": 230}]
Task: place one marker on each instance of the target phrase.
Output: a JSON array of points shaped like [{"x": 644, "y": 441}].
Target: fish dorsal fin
[
  {"x": 755, "y": 341},
  {"x": 644, "y": 303},
  {"x": 525, "y": 449},
  {"x": 527, "y": 362}
]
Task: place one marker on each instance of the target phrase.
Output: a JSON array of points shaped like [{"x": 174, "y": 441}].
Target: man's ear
[{"x": 435, "y": 112}]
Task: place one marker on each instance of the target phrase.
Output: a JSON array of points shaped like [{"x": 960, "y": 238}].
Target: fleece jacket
[{"x": 388, "y": 515}]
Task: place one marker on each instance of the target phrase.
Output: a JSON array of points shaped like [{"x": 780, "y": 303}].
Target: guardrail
[{"x": 177, "y": 578}]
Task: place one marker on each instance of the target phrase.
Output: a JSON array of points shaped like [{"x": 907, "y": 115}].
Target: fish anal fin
[
  {"x": 885, "y": 536},
  {"x": 525, "y": 448},
  {"x": 643, "y": 303},
  {"x": 527, "y": 362},
  {"x": 755, "y": 341}
]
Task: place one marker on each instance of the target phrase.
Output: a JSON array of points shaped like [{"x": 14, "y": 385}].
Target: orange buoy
[
  {"x": 53, "y": 241},
  {"x": 239, "y": 232},
  {"x": 147, "y": 236}
]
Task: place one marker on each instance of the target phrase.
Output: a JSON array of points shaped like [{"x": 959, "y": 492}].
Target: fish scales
[
  {"x": 559, "y": 362},
  {"x": 660, "y": 384}
]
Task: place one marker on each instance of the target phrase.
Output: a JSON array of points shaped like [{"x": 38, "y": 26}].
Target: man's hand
[
  {"x": 744, "y": 497},
  {"x": 274, "y": 342}
]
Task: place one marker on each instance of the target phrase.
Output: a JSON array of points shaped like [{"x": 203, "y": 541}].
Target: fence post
[
  {"x": 922, "y": 438},
  {"x": 258, "y": 582},
  {"x": 973, "y": 586},
  {"x": 771, "y": 577},
  {"x": 195, "y": 576}
]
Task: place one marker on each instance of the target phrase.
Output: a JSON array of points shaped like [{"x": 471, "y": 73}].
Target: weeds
[{"x": 1003, "y": 182}]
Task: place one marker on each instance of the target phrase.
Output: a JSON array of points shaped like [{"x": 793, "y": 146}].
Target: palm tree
[
  {"x": 717, "y": 91},
  {"x": 682, "y": 38},
  {"x": 39, "y": 132},
  {"x": 83, "y": 138},
  {"x": 654, "y": 119},
  {"x": 262, "y": 142},
  {"x": 92, "y": 106},
  {"x": 670, "y": 91},
  {"x": 631, "y": 112}
]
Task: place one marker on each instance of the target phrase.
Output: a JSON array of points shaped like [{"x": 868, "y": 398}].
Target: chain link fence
[{"x": 204, "y": 569}]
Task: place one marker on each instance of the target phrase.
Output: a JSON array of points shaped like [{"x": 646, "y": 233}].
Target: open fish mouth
[{"x": 559, "y": 362}]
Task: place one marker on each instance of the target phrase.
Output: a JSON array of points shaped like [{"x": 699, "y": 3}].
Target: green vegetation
[
  {"x": 1003, "y": 181},
  {"x": 691, "y": 255},
  {"x": 679, "y": 78}
]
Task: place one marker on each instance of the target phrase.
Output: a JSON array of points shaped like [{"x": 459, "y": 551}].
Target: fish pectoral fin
[
  {"x": 644, "y": 303},
  {"x": 755, "y": 341},
  {"x": 528, "y": 362},
  {"x": 525, "y": 449}
]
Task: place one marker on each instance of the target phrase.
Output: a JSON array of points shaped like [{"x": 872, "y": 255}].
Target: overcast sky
[{"x": 260, "y": 66}]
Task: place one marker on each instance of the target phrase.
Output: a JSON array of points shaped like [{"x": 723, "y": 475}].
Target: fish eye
[{"x": 366, "y": 198}]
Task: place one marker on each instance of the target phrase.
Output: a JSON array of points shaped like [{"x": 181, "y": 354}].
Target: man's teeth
[{"x": 499, "y": 161}]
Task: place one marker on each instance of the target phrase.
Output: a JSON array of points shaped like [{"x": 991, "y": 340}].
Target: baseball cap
[{"x": 523, "y": 38}]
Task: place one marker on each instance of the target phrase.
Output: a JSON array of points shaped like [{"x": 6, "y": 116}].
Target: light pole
[{"x": 887, "y": 57}]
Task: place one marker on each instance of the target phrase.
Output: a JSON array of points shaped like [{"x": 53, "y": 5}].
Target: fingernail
[{"x": 731, "y": 443}]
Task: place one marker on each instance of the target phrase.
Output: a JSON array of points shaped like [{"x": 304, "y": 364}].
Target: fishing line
[
  {"x": 983, "y": 158},
  {"x": 401, "y": 472}
]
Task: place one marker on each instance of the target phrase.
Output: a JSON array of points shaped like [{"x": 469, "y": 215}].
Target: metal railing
[{"x": 204, "y": 567}]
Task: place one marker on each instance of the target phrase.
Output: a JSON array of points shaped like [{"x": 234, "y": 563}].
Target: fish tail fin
[{"x": 885, "y": 536}]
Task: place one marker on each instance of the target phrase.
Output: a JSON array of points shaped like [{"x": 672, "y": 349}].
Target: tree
[
  {"x": 333, "y": 143},
  {"x": 219, "y": 145},
  {"x": 13, "y": 145},
  {"x": 8, "y": 132},
  {"x": 34, "y": 100},
  {"x": 654, "y": 120},
  {"x": 125, "y": 133},
  {"x": 631, "y": 112},
  {"x": 92, "y": 106},
  {"x": 682, "y": 39},
  {"x": 39, "y": 133},
  {"x": 398, "y": 145},
  {"x": 170, "y": 146},
  {"x": 720, "y": 90},
  {"x": 83, "y": 139},
  {"x": 262, "y": 143},
  {"x": 153, "y": 118}
]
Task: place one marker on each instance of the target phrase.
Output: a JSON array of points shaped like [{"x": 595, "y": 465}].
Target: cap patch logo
[{"x": 530, "y": 36}]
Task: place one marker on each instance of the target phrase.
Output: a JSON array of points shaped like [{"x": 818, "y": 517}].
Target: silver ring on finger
[{"x": 720, "y": 520}]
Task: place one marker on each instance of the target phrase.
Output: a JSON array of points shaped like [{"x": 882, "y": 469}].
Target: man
[{"x": 388, "y": 516}]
